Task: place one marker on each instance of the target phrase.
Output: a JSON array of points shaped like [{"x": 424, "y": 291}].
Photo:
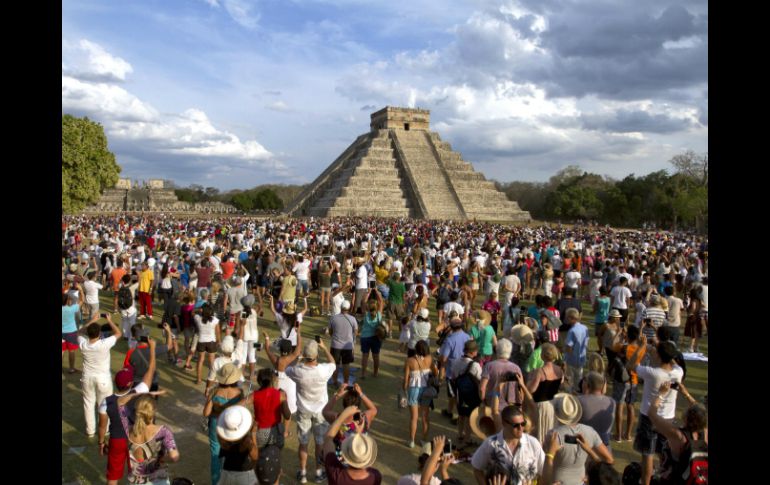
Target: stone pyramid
[{"x": 402, "y": 169}]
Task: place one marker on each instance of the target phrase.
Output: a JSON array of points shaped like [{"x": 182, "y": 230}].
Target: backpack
[
  {"x": 697, "y": 471},
  {"x": 125, "y": 300},
  {"x": 467, "y": 389},
  {"x": 618, "y": 369}
]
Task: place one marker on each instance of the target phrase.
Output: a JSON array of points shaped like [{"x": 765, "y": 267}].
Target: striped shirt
[{"x": 657, "y": 315}]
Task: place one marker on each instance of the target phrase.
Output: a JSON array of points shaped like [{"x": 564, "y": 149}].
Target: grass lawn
[{"x": 181, "y": 409}]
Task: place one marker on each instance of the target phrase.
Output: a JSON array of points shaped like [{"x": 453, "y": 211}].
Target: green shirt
[
  {"x": 483, "y": 338},
  {"x": 397, "y": 290},
  {"x": 535, "y": 361}
]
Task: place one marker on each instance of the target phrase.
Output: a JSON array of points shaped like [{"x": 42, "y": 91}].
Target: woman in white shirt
[
  {"x": 249, "y": 333},
  {"x": 208, "y": 336}
]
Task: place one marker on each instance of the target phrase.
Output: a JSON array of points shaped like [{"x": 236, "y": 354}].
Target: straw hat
[
  {"x": 289, "y": 308},
  {"x": 483, "y": 423},
  {"x": 614, "y": 313},
  {"x": 482, "y": 315},
  {"x": 567, "y": 409},
  {"x": 521, "y": 333},
  {"x": 228, "y": 374},
  {"x": 234, "y": 423},
  {"x": 359, "y": 450}
]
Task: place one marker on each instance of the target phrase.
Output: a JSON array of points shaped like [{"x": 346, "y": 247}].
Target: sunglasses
[{"x": 516, "y": 425}]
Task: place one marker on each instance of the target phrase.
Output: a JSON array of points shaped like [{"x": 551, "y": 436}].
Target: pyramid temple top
[{"x": 395, "y": 118}]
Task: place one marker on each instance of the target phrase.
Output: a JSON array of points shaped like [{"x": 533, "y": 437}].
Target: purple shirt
[{"x": 495, "y": 371}]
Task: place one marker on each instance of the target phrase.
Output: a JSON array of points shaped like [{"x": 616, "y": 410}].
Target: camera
[
  {"x": 350, "y": 388},
  {"x": 448, "y": 447},
  {"x": 357, "y": 417},
  {"x": 258, "y": 346},
  {"x": 318, "y": 340},
  {"x": 675, "y": 385},
  {"x": 570, "y": 439},
  {"x": 509, "y": 377},
  {"x": 104, "y": 315},
  {"x": 372, "y": 285},
  {"x": 245, "y": 314}
]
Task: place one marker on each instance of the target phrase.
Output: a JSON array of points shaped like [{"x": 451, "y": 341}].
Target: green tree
[
  {"x": 88, "y": 167},
  {"x": 267, "y": 199},
  {"x": 242, "y": 201}
]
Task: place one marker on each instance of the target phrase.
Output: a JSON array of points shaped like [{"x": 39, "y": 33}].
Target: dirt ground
[{"x": 181, "y": 409}]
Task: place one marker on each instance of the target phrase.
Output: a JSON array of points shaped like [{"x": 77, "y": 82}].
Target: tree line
[{"x": 676, "y": 200}]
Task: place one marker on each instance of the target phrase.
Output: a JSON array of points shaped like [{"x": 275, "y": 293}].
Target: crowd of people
[{"x": 530, "y": 402}]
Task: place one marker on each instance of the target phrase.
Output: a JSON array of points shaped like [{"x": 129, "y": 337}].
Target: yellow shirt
[
  {"x": 145, "y": 281},
  {"x": 381, "y": 275}
]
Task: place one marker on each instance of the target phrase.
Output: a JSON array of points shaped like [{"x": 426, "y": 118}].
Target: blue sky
[{"x": 235, "y": 93}]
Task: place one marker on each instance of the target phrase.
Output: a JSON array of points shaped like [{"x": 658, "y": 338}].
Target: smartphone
[
  {"x": 674, "y": 385},
  {"x": 350, "y": 388},
  {"x": 357, "y": 417},
  {"x": 570, "y": 439},
  {"x": 144, "y": 339},
  {"x": 372, "y": 285},
  {"x": 318, "y": 339},
  {"x": 448, "y": 447},
  {"x": 104, "y": 315},
  {"x": 245, "y": 315},
  {"x": 258, "y": 346}
]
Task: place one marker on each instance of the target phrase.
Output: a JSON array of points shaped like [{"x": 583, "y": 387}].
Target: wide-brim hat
[
  {"x": 289, "y": 308},
  {"x": 228, "y": 374},
  {"x": 359, "y": 451},
  {"x": 521, "y": 333},
  {"x": 483, "y": 315},
  {"x": 482, "y": 422},
  {"x": 234, "y": 423},
  {"x": 248, "y": 301},
  {"x": 567, "y": 409},
  {"x": 614, "y": 313}
]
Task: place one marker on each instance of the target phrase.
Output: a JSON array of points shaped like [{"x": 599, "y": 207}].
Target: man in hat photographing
[
  {"x": 511, "y": 452},
  {"x": 312, "y": 396}
]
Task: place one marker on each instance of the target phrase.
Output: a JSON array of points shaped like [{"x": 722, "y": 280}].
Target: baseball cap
[{"x": 124, "y": 378}]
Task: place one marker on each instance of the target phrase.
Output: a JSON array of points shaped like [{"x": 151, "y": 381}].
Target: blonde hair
[
  {"x": 549, "y": 352},
  {"x": 215, "y": 287},
  {"x": 144, "y": 415}
]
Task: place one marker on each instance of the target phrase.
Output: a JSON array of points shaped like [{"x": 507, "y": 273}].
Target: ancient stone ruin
[
  {"x": 152, "y": 196},
  {"x": 402, "y": 169}
]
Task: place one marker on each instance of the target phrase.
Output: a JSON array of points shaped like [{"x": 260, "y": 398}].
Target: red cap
[{"x": 124, "y": 378}]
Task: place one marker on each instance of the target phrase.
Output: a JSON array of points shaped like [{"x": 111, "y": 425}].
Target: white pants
[
  {"x": 127, "y": 322},
  {"x": 95, "y": 388},
  {"x": 547, "y": 287}
]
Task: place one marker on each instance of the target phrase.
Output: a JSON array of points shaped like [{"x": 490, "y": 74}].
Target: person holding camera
[
  {"x": 138, "y": 358},
  {"x": 648, "y": 441},
  {"x": 576, "y": 442},
  {"x": 249, "y": 333},
  {"x": 227, "y": 349},
  {"x": 440, "y": 459},
  {"x": 372, "y": 333},
  {"x": 97, "y": 378},
  {"x": 356, "y": 457},
  {"x": 357, "y": 423},
  {"x": 312, "y": 396},
  {"x": 271, "y": 410}
]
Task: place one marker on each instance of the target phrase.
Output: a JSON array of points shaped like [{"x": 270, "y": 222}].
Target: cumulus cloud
[
  {"x": 239, "y": 10},
  {"x": 87, "y": 61},
  {"x": 141, "y": 132}
]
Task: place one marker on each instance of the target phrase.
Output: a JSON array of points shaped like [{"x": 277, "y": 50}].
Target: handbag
[{"x": 401, "y": 400}]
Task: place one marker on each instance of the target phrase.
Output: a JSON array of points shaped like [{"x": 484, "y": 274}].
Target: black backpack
[
  {"x": 617, "y": 369},
  {"x": 467, "y": 389},
  {"x": 125, "y": 300}
]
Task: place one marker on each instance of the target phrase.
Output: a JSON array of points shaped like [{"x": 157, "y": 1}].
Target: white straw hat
[{"x": 234, "y": 423}]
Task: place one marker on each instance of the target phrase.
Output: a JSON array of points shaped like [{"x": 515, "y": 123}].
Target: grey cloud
[
  {"x": 627, "y": 121},
  {"x": 368, "y": 107}
]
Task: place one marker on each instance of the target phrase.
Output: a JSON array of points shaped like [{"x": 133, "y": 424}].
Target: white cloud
[
  {"x": 278, "y": 106},
  {"x": 239, "y": 10},
  {"x": 89, "y": 61},
  {"x": 188, "y": 138}
]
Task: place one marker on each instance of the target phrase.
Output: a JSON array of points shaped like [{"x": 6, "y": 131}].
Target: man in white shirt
[
  {"x": 572, "y": 279},
  {"x": 648, "y": 442},
  {"x": 518, "y": 450},
  {"x": 91, "y": 289},
  {"x": 621, "y": 297},
  {"x": 312, "y": 396},
  {"x": 301, "y": 270},
  {"x": 675, "y": 306},
  {"x": 338, "y": 297},
  {"x": 97, "y": 378},
  {"x": 362, "y": 286}
]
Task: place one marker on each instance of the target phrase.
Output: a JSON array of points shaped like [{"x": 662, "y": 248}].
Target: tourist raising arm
[{"x": 437, "y": 461}]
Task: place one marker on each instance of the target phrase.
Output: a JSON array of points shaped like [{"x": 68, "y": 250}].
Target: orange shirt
[
  {"x": 117, "y": 275},
  {"x": 228, "y": 269},
  {"x": 629, "y": 352}
]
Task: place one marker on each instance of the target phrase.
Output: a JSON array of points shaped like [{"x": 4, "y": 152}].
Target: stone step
[
  {"x": 377, "y": 163},
  {"x": 373, "y": 191},
  {"x": 381, "y": 143},
  {"x": 502, "y": 216},
  {"x": 367, "y": 202},
  {"x": 353, "y": 212},
  {"x": 371, "y": 172},
  {"x": 461, "y": 184}
]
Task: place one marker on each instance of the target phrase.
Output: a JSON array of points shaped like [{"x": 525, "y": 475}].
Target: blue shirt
[
  {"x": 369, "y": 325},
  {"x": 453, "y": 348},
  {"x": 68, "y": 313},
  {"x": 577, "y": 338},
  {"x": 243, "y": 256}
]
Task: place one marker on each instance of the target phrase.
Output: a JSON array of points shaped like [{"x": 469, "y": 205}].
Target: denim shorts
[
  {"x": 647, "y": 440},
  {"x": 414, "y": 397},
  {"x": 624, "y": 392}
]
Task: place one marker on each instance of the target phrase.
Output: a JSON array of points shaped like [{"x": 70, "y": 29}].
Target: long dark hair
[{"x": 207, "y": 312}]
